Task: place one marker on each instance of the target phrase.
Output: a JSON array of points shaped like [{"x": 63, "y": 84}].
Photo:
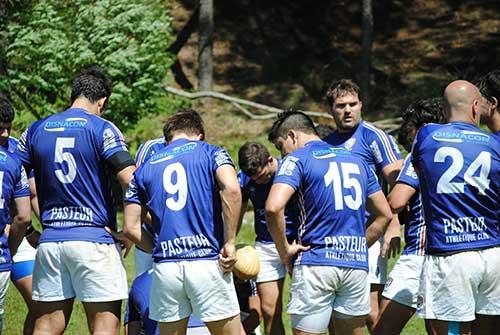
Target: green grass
[{"x": 15, "y": 309}]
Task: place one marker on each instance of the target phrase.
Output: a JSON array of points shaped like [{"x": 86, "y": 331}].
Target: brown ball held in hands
[{"x": 247, "y": 265}]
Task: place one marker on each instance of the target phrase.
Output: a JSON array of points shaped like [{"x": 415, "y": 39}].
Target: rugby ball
[{"x": 247, "y": 265}]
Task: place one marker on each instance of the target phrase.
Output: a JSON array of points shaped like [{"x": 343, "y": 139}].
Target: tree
[
  {"x": 205, "y": 45},
  {"x": 51, "y": 41},
  {"x": 366, "y": 51}
]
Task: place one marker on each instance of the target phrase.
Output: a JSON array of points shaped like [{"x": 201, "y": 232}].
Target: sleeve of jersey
[
  {"x": 407, "y": 175},
  {"x": 22, "y": 187},
  {"x": 22, "y": 150},
  {"x": 135, "y": 191},
  {"x": 290, "y": 172},
  {"x": 416, "y": 146},
  {"x": 143, "y": 153},
  {"x": 383, "y": 147},
  {"x": 242, "y": 179},
  {"x": 220, "y": 157},
  {"x": 373, "y": 185},
  {"x": 112, "y": 140}
]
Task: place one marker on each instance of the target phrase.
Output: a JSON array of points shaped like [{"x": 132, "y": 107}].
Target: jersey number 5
[
  {"x": 61, "y": 156},
  {"x": 347, "y": 181}
]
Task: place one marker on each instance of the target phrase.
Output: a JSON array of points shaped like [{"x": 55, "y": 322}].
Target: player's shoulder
[
  {"x": 9, "y": 159},
  {"x": 369, "y": 131},
  {"x": 243, "y": 178},
  {"x": 149, "y": 148}
]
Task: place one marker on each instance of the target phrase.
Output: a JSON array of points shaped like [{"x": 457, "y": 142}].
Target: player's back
[
  {"x": 181, "y": 192},
  {"x": 68, "y": 153},
  {"x": 459, "y": 171},
  {"x": 332, "y": 187}
]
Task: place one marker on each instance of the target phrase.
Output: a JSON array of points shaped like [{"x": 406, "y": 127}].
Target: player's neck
[
  {"x": 493, "y": 123},
  {"x": 459, "y": 116},
  {"x": 86, "y": 105},
  {"x": 182, "y": 135},
  {"x": 306, "y": 138}
]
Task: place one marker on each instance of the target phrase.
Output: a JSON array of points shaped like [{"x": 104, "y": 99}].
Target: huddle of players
[{"x": 190, "y": 195}]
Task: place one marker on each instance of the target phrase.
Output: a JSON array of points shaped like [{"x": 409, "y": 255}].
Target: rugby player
[
  {"x": 73, "y": 155},
  {"x": 399, "y": 298},
  {"x": 24, "y": 259},
  {"x": 382, "y": 155},
  {"x": 258, "y": 168},
  {"x": 489, "y": 85},
  {"x": 459, "y": 172},
  {"x": 334, "y": 188},
  {"x": 195, "y": 249},
  {"x": 14, "y": 195}
]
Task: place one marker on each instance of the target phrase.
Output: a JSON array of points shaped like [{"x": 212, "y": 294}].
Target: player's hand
[
  {"x": 392, "y": 243},
  {"x": 291, "y": 253},
  {"x": 125, "y": 243},
  {"x": 227, "y": 257}
]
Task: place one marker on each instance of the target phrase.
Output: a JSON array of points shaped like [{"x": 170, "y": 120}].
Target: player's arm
[
  {"x": 244, "y": 206},
  {"x": 278, "y": 197},
  {"x": 20, "y": 223},
  {"x": 380, "y": 215},
  {"x": 400, "y": 196},
  {"x": 392, "y": 235},
  {"x": 231, "y": 209},
  {"x": 33, "y": 235},
  {"x": 132, "y": 227}
]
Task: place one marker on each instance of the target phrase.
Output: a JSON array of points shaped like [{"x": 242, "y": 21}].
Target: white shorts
[
  {"x": 377, "y": 265},
  {"x": 404, "y": 279},
  {"x": 25, "y": 252},
  {"x": 456, "y": 287},
  {"x": 4, "y": 285},
  {"x": 271, "y": 267},
  {"x": 316, "y": 291},
  {"x": 143, "y": 262},
  {"x": 181, "y": 288},
  {"x": 91, "y": 272}
]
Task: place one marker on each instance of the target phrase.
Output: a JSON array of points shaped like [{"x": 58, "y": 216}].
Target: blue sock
[{"x": 453, "y": 328}]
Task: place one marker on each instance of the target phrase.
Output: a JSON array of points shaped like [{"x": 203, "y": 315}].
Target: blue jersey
[
  {"x": 13, "y": 184},
  {"x": 257, "y": 194},
  {"x": 374, "y": 146},
  {"x": 68, "y": 153},
  {"x": 138, "y": 306},
  {"x": 414, "y": 221},
  {"x": 185, "y": 201},
  {"x": 459, "y": 170},
  {"x": 332, "y": 187}
]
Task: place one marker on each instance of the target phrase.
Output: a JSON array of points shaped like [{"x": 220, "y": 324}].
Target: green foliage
[{"x": 51, "y": 41}]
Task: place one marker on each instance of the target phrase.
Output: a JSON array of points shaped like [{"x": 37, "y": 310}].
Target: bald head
[{"x": 463, "y": 101}]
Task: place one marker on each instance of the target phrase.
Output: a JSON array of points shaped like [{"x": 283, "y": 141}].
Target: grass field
[{"x": 15, "y": 309}]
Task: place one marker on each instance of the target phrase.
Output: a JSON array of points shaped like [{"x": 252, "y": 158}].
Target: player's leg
[
  {"x": 377, "y": 276},
  {"x": 270, "y": 287},
  {"x": 99, "y": 281},
  {"x": 24, "y": 285},
  {"x": 52, "y": 290},
  {"x": 173, "y": 328},
  {"x": 271, "y": 302},
  {"x": 484, "y": 325},
  {"x": 349, "y": 325},
  {"x": 229, "y": 326},
  {"x": 53, "y": 317},
  {"x": 450, "y": 327},
  {"x": 375, "y": 300},
  {"x": 4, "y": 285},
  {"x": 393, "y": 317},
  {"x": 103, "y": 318}
]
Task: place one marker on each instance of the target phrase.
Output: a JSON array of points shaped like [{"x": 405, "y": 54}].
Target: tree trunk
[
  {"x": 366, "y": 52},
  {"x": 205, "y": 45}
]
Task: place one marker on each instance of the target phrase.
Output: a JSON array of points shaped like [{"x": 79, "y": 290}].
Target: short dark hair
[
  {"x": 418, "y": 114},
  {"x": 340, "y": 88},
  {"x": 186, "y": 120},
  {"x": 252, "y": 156},
  {"x": 92, "y": 84},
  {"x": 291, "y": 119},
  {"x": 324, "y": 130},
  {"x": 489, "y": 85},
  {"x": 6, "y": 111}
]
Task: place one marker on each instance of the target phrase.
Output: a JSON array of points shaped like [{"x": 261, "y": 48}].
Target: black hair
[
  {"x": 489, "y": 85},
  {"x": 253, "y": 156},
  {"x": 291, "y": 119},
  {"x": 339, "y": 88},
  {"x": 6, "y": 111},
  {"x": 92, "y": 84}
]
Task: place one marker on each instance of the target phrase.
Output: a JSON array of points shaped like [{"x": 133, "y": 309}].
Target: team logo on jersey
[
  {"x": 170, "y": 154},
  {"x": 329, "y": 153},
  {"x": 420, "y": 301},
  {"x": 71, "y": 122},
  {"x": 376, "y": 152},
  {"x": 222, "y": 157},
  {"x": 349, "y": 144},
  {"x": 461, "y": 136},
  {"x": 3, "y": 156},
  {"x": 410, "y": 172},
  {"x": 288, "y": 166}
]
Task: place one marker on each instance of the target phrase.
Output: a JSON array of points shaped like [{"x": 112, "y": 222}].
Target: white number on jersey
[
  {"x": 180, "y": 187},
  {"x": 482, "y": 162},
  {"x": 347, "y": 181},
  {"x": 2, "y": 200},
  {"x": 61, "y": 156}
]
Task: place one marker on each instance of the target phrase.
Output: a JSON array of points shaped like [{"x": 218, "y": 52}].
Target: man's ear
[
  {"x": 293, "y": 135},
  {"x": 494, "y": 104},
  {"x": 100, "y": 104}
]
